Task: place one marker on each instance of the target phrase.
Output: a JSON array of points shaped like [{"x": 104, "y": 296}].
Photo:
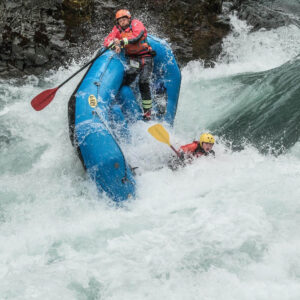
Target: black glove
[{"x": 181, "y": 155}]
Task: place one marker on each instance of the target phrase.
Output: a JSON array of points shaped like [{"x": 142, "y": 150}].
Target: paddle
[
  {"x": 40, "y": 101},
  {"x": 161, "y": 134}
]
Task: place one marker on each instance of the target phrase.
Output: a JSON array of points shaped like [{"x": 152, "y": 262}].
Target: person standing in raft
[
  {"x": 132, "y": 35},
  {"x": 189, "y": 152}
]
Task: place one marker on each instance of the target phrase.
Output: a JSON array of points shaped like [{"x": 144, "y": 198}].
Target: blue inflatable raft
[{"x": 100, "y": 103}]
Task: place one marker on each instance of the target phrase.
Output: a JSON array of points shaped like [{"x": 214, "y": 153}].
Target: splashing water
[{"x": 223, "y": 228}]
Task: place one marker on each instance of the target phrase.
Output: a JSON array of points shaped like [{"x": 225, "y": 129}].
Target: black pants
[{"x": 144, "y": 71}]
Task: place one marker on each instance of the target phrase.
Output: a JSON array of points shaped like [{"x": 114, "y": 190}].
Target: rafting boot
[{"x": 147, "y": 105}]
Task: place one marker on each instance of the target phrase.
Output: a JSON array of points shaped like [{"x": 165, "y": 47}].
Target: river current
[{"x": 219, "y": 229}]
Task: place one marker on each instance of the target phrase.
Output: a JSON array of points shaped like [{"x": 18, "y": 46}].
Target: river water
[{"x": 219, "y": 229}]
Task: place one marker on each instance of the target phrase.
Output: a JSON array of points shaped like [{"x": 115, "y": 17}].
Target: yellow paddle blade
[{"x": 160, "y": 133}]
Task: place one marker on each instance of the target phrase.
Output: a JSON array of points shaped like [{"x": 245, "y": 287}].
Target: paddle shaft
[
  {"x": 43, "y": 99},
  {"x": 178, "y": 154}
]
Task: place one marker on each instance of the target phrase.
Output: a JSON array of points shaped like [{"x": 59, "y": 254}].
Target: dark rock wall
[
  {"x": 269, "y": 14},
  {"x": 195, "y": 28},
  {"x": 38, "y": 35},
  {"x": 33, "y": 36}
]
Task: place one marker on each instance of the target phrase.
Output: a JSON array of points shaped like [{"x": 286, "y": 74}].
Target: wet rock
[
  {"x": 3, "y": 66},
  {"x": 41, "y": 57},
  {"x": 48, "y": 33},
  {"x": 29, "y": 55},
  {"x": 19, "y": 64},
  {"x": 16, "y": 51},
  {"x": 267, "y": 14},
  {"x": 77, "y": 5},
  {"x": 39, "y": 35},
  {"x": 45, "y": 34}
]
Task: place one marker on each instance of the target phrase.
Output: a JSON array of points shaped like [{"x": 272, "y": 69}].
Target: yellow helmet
[{"x": 206, "y": 138}]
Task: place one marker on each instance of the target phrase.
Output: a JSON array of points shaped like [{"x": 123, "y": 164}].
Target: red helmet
[{"x": 123, "y": 13}]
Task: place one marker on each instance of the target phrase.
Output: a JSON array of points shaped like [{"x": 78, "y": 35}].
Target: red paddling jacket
[
  {"x": 187, "y": 153},
  {"x": 136, "y": 34},
  {"x": 195, "y": 149}
]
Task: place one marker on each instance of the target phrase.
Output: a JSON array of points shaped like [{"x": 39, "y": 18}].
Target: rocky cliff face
[
  {"x": 44, "y": 34},
  {"x": 268, "y": 14},
  {"x": 37, "y": 35},
  {"x": 34, "y": 36}
]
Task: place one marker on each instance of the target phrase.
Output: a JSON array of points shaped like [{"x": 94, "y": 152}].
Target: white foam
[{"x": 223, "y": 228}]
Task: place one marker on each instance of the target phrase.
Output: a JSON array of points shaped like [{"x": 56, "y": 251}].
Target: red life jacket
[
  {"x": 140, "y": 47},
  {"x": 193, "y": 148}
]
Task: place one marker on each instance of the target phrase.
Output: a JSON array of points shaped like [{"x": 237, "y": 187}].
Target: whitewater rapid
[{"x": 223, "y": 228}]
